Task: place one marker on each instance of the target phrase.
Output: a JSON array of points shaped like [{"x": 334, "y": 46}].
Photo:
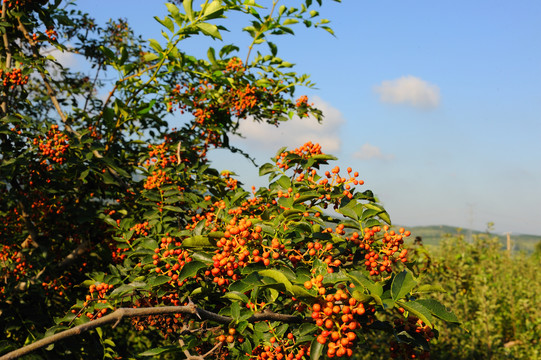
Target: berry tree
[{"x": 109, "y": 214}]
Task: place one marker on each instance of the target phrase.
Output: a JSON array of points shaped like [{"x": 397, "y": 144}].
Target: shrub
[{"x": 109, "y": 214}]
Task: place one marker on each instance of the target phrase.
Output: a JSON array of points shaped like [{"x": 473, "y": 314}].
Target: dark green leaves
[
  {"x": 438, "y": 310},
  {"x": 190, "y": 269},
  {"x": 418, "y": 310},
  {"x": 159, "y": 351},
  {"x": 402, "y": 284},
  {"x": 316, "y": 350}
]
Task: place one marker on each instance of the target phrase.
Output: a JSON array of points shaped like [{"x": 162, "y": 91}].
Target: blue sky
[{"x": 437, "y": 104}]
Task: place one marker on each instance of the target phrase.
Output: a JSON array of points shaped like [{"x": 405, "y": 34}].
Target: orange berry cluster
[
  {"x": 303, "y": 100},
  {"x": 302, "y": 106},
  {"x": 19, "y": 3},
  {"x": 233, "y": 252},
  {"x": 118, "y": 32},
  {"x": 333, "y": 178},
  {"x": 13, "y": 264},
  {"x": 159, "y": 155},
  {"x": 338, "y": 318},
  {"x": 140, "y": 229},
  {"x": 117, "y": 253},
  {"x": 315, "y": 250},
  {"x": 43, "y": 206},
  {"x": 284, "y": 348},
  {"x": 156, "y": 179},
  {"x": 51, "y": 34},
  {"x": 98, "y": 293},
  {"x": 166, "y": 324},
  {"x": 173, "y": 259},
  {"x": 245, "y": 98},
  {"x": 379, "y": 260},
  {"x": 235, "y": 65},
  {"x": 199, "y": 99},
  {"x": 406, "y": 351},
  {"x": 230, "y": 337},
  {"x": 237, "y": 100},
  {"x": 231, "y": 183},
  {"x": 54, "y": 146},
  {"x": 57, "y": 284},
  {"x": 415, "y": 327},
  {"x": 13, "y": 78},
  {"x": 306, "y": 151}
]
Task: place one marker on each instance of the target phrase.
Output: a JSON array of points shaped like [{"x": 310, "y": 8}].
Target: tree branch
[
  {"x": 78, "y": 251},
  {"x": 3, "y": 106},
  {"x": 118, "y": 315}
]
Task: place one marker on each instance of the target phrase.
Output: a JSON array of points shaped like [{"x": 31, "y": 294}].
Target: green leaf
[
  {"x": 279, "y": 277},
  {"x": 266, "y": 168},
  {"x": 324, "y": 157},
  {"x": 209, "y": 29},
  {"x": 190, "y": 269},
  {"x": 290, "y": 21},
  {"x": 361, "y": 297},
  {"x": 126, "y": 288},
  {"x": 235, "y": 310},
  {"x": 429, "y": 288},
  {"x": 284, "y": 182},
  {"x": 273, "y": 48},
  {"x": 173, "y": 208},
  {"x": 155, "y": 45},
  {"x": 159, "y": 280},
  {"x": 438, "y": 310},
  {"x": 402, "y": 284},
  {"x": 418, "y": 310},
  {"x": 213, "y": 10},
  {"x": 359, "y": 279},
  {"x": 173, "y": 9},
  {"x": 198, "y": 241},
  {"x": 188, "y": 9},
  {"x": 301, "y": 292},
  {"x": 212, "y": 56},
  {"x": 306, "y": 197},
  {"x": 235, "y": 295},
  {"x": 380, "y": 211},
  {"x": 109, "y": 54},
  {"x": 316, "y": 349},
  {"x": 167, "y": 22},
  {"x": 349, "y": 211},
  {"x": 160, "y": 350}
]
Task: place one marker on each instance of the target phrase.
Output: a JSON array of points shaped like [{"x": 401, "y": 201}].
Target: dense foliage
[
  {"x": 108, "y": 214},
  {"x": 496, "y": 295}
]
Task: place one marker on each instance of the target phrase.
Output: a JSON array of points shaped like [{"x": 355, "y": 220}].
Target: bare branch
[
  {"x": 178, "y": 153},
  {"x": 119, "y": 314},
  {"x": 78, "y": 251},
  {"x": 50, "y": 91}
]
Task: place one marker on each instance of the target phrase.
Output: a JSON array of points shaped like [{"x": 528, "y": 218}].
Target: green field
[{"x": 432, "y": 235}]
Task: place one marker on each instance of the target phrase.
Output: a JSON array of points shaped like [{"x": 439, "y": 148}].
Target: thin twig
[{"x": 259, "y": 33}]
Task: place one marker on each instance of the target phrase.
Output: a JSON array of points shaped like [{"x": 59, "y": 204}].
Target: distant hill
[{"x": 432, "y": 235}]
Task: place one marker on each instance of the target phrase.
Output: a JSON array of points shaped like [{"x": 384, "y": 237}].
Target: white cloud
[
  {"x": 295, "y": 132},
  {"x": 409, "y": 90},
  {"x": 368, "y": 151}
]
